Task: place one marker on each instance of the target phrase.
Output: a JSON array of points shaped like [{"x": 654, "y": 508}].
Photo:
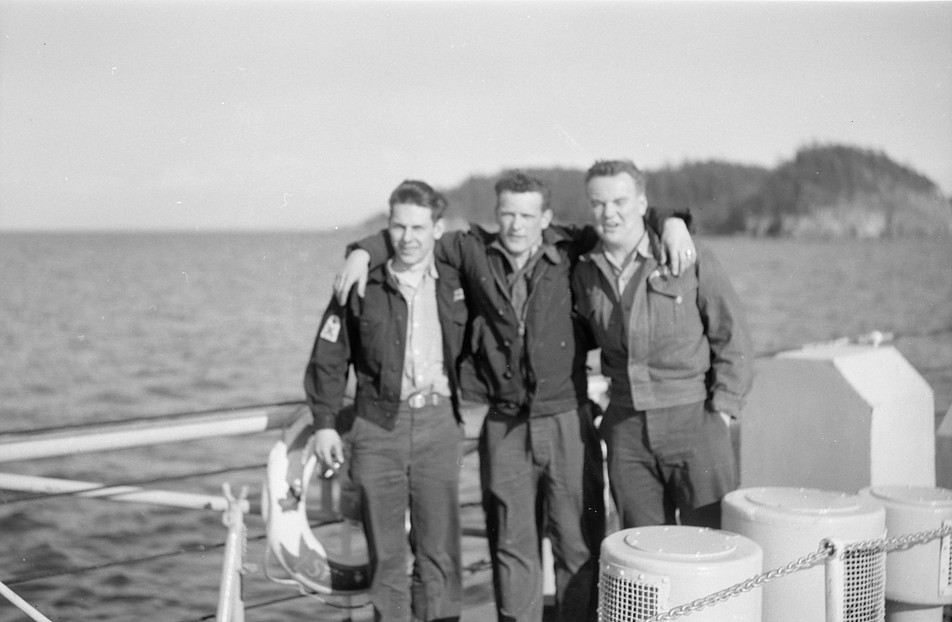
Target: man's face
[
  {"x": 522, "y": 218},
  {"x": 413, "y": 232},
  {"x": 618, "y": 208}
]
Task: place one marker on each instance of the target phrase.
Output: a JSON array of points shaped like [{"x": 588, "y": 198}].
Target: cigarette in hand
[{"x": 331, "y": 471}]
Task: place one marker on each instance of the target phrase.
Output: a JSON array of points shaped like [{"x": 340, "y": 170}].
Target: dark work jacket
[
  {"x": 372, "y": 337},
  {"x": 543, "y": 373}
]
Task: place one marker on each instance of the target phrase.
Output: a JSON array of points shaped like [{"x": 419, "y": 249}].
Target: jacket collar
[
  {"x": 653, "y": 249},
  {"x": 381, "y": 274},
  {"x": 652, "y": 257}
]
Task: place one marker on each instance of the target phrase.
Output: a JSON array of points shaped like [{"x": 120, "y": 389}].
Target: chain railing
[{"x": 826, "y": 551}]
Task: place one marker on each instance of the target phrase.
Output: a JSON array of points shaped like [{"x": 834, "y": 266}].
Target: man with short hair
[
  {"x": 403, "y": 339},
  {"x": 678, "y": 355},
  {"x": 540, "y": 457}
]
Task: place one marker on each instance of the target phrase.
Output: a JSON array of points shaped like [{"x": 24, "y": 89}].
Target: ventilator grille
[
  {"x": 864, "y": 589},
  {"x": 630, "y": 598},
  {"x": 945, "y": 562}
]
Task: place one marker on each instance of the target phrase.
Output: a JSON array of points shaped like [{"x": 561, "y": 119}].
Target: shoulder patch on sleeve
[
  {"x": 331, "y": 329},
  {"x": 458, "y": 294}
]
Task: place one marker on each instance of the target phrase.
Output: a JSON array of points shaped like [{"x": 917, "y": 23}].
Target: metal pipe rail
[
  {"x": 71, "y": 440},
  {"x": 22, "y": 605},
  {"x": 141, "y": 433},
  {"x": 126, "y": 494},
  {"x": 50, "y": 492}
]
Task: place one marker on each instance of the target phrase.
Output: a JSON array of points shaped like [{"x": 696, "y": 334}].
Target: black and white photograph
[{"x": 489, "y": 310}]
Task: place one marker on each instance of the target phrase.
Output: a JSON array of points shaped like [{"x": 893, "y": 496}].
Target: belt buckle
[{"x": 416, "y": 401}]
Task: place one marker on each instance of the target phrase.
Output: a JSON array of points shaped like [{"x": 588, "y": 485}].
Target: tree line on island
[{"x": 823, "y": 191}]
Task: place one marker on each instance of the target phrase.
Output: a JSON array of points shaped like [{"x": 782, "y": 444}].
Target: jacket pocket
[{"x": 672, "y": 306}]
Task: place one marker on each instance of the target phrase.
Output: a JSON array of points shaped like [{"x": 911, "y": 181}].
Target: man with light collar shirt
[
  {"x": 540, "y": 457},
  {"x": 403, "y": 339},
  {"x": 677, "y": 352}
]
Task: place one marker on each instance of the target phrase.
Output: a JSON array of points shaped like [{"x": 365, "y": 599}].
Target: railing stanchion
[{"x": 230, "y": 604}]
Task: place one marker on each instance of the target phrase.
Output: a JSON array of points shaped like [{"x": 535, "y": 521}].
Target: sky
[{"x": 277, "y": 115}]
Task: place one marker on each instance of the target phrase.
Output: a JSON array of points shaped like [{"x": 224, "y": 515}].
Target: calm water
[{"x": 97, "y": 327}]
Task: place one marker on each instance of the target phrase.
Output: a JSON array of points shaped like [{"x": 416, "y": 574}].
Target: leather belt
[{"x": 419, "y": 400}]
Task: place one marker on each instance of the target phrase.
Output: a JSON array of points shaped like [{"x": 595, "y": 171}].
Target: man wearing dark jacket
[
  {"x": 540, "y": 458},
  {"x": 403, "y": 339}
]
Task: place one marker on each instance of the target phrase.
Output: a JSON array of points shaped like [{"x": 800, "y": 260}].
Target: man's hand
[
  {"x": 328, "y": 448},
  {"x": 355, "y": 270},
  {"x": 677, "y": 247}
]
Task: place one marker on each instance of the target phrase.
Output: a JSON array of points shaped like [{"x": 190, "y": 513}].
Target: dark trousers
[
  {"x": 668, "y": 462},
  {"x": 416, "y": 465},
  {"x": 542, "y": 476}
]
